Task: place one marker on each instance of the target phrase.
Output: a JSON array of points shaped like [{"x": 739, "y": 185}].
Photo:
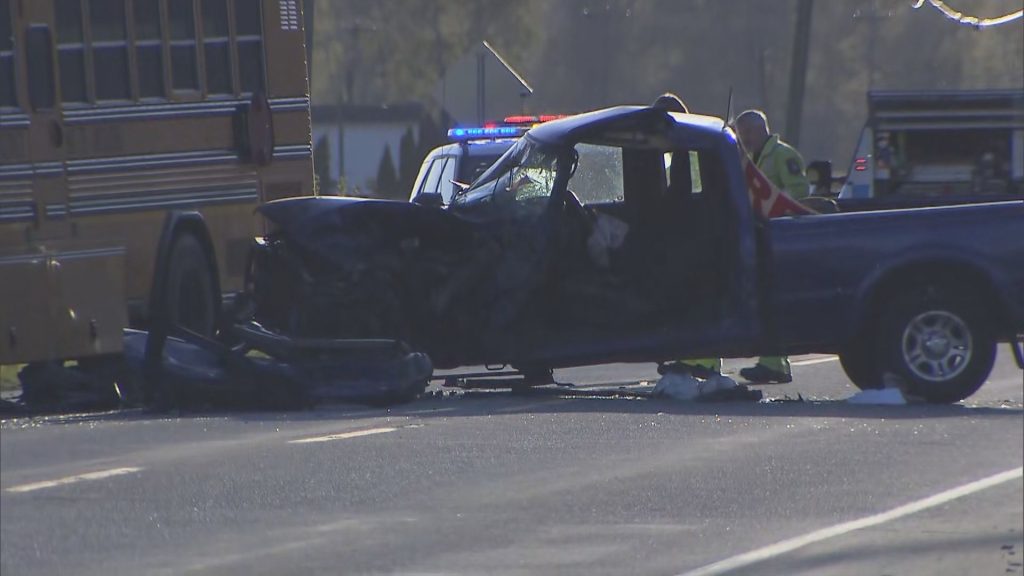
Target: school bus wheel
[{"x": 190, "y": 291}]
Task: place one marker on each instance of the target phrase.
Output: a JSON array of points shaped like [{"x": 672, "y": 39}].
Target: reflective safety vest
[{"x": 784, "y": 167}]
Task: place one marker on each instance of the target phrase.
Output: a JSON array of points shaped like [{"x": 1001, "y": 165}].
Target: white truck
[{"x": 947, "y": 147}]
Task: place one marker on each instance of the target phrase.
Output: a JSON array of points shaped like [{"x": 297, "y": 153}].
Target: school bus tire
[{"x": 190, "y": 292}]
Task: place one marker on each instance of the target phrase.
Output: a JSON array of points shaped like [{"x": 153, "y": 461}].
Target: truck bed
[{"x": 822, "y": 271}]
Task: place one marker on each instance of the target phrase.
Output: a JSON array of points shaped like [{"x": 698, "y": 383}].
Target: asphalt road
[{"x": 550, "y": 482}]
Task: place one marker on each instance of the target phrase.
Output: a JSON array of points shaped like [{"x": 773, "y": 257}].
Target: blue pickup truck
[{"x": 627, "y": 234}]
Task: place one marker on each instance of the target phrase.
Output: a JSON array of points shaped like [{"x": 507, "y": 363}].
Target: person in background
[{"x": 784, "y": 167}]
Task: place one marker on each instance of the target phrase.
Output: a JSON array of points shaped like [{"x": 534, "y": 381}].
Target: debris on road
[
  {"x": 884, "y": 396},
  {"x": 285, "y": 373},
  {"x": 681, "y": 384},
  {"x": 187, "y": 371},
  {"x": 54, "y": 387}
]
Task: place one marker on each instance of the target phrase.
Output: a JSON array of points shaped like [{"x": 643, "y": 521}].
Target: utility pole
[
  {"x": 873, "y": 17},
  {"x": 798, "y": 71}
]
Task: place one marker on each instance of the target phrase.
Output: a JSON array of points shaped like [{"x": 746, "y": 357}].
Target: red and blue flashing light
[
  {"x": 532, "y": 120},
  {"x": 513, "y": 127},
  {"x": 485, "y": 132}
]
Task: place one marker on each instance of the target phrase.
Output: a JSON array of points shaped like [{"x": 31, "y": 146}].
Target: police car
[{"x": 448, "y": 168}]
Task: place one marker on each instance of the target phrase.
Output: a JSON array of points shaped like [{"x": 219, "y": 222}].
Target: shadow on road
[{"x": 547, "y": 400}]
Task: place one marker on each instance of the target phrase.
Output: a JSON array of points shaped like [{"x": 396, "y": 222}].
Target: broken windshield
[{"x": 525, "y": 173}]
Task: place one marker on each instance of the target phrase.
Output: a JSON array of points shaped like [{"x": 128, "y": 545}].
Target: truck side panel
[{"x": 825, "y": 269}]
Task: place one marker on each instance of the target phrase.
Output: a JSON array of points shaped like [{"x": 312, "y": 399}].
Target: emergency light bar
[
  {"x": 479, "y": 133},
  {"x": 532, "y": 119}
]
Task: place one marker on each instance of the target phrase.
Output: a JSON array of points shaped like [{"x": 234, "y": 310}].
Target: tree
[
  {"x": 387, "y": 181},
  {"x": 408, "y": 160},
  {"x": 583, "y": 54},
  {"x": 431, "y": 136},
  {"x": 368, "y": 51}
]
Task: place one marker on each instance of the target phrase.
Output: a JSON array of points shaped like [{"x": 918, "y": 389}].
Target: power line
[{"x": 961, "y": 18}]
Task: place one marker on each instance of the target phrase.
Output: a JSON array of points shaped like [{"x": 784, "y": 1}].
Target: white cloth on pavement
[
  {"x": 681, "y": 385},
  {"x": 884, "y": 396}
]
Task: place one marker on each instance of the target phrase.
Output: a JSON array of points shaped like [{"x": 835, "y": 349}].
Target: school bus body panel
[
  {"x": 86, "y": 286},
  {"x": 25, "y": 317},
  {"x": 86, "y": 183}
]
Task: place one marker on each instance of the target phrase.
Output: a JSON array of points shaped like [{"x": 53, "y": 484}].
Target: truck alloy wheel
[
  {"x": 939, "y": 342},
  {"x": 937, "y": 346}
]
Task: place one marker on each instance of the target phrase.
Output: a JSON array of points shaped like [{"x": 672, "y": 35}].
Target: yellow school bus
[{"x": 126, "y": 121}]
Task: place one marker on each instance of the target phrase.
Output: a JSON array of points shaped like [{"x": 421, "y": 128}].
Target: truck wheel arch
[{"x": 887, "y": 283}]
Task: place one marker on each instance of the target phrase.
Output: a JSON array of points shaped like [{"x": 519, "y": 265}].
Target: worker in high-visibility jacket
[{"x": 784, "y": 167}]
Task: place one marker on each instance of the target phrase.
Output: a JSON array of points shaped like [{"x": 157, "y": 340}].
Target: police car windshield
[
  {"x": 484, "y": 184},
  {"x": 473, "y": 166}
]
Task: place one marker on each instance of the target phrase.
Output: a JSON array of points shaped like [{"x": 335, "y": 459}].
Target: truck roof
[{"x": 573, "y": 128}]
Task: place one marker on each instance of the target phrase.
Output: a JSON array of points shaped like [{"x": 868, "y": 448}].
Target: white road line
[
  {"x": 72, "y": 479},
  {"x": 342, "y": 436},
  {"x": 815, "y": 361},
  {"x": 777, "y": 549}
]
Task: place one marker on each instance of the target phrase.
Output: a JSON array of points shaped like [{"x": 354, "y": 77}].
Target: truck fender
[{"x": 931, "y": 266}]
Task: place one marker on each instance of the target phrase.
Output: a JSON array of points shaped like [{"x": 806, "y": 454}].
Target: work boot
[{"x": 761, "y": 374}]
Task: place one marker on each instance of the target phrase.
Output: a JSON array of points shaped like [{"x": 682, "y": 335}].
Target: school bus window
[
  {"x": 109, "y": 49},
  {"x": 216, "y": 46},
  {"x": 149, "y": 55},
  {"x": 71, "y": 51},
  {"x": 8, "y": 97},
  {"x": 39, "y": 49},
  {"x": 184, "y": 74},
  {"x": 249, "y": 36}
]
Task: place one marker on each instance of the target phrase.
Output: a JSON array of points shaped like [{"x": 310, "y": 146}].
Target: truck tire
[
  {"x": 861, "y": 365},
  {"x": 939, "y": 341},
  {"x": 190, "y": 296}
]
